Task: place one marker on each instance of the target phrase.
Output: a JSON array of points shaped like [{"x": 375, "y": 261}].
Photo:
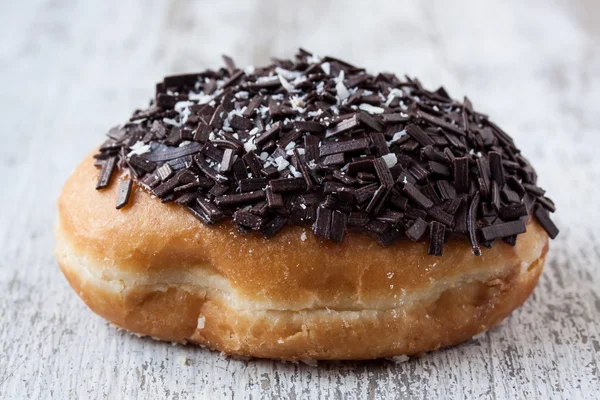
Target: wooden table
[{"x": 70, "y": 69}]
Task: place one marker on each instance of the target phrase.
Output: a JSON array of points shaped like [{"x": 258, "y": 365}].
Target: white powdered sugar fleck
[
  {"x": 170, "y": 121},
  {"x": 184, "y": 143},
  {"x": 263, "y": 79},
  {"x": 397, "y": 136},
  {"x": 286, "y": 85},
  {"x": 263, "y": 111},
  {"x": 249, "y": 145},
  {"x": 297, "y": 103},
  {"x": 320, "y": 87},
  {"x": 290, "y": 145},
  {"x": 281, "y": 163},
  {"x": 326, "y": 67},
  {"x": 201, "y": 322},
  {"x": 390, "y": 159},
  {"x": 290, "y": 75},
  {"x": 139, "y": 148},
  {"x": 371, "y": 109},
  {"x": 303, "y": 236},
  {"x": 201, "y": 98},
  {"x": 264, "y": 155},
  {"x": 294, "y": 171},
  {"x": 242, "y": 95},
  {"x": 315, "y": 113},
  {"x": 340, "y": 77},
  {"x": 342, "y": 92},
  {"x": 393, "y": 93},
  {"x": 249, "y": 69}
]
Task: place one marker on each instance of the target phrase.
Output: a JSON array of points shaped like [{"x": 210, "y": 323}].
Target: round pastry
[{"x": 304, "y": 210}]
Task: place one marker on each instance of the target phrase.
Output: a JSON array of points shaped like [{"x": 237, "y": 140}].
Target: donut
[{"x": 304, "y": 210}]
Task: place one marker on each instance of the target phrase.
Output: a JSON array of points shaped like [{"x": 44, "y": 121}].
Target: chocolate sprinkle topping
[
  {"x": 124, "y": 193},
  {"x": 330, "y": 145}
]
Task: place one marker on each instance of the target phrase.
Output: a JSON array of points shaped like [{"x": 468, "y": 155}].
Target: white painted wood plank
[{"x": 71, "y": 69}]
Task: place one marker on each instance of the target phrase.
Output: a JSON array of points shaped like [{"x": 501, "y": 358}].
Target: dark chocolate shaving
[
  {"x": 416, "y": 231},
  {"x": 124, "y": 193},
  {"x": 502, "y": 230},
  {"x": 106, "y": 173},
  {"x": 472, "y": 224},
  {"x": 437, "y": 233},
  {"x": 543, "y": 218}
]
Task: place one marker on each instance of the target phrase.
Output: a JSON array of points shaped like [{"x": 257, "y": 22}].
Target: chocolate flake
[
  {"x": 419, "y": 135},
  {"x": 415, "y": 195},
  {"x": 417, "y": 230},
  {"x": 437, "y": 233},
  {"x": 338, "y": 226},
  {"x": 165, "y": 172},
  {"x": 248, "y": 220},
  {"x": 343, "y": 147},
  {"x": 273, "y": 226},
  {"x": 461, "y": 174},
  {"x": 240, "y": 198},
  {"x": 502, "y": 230},
  {"x": 497, "y": 170},
  {"x": 343, "y": 126},
  {"x": 287, "y": 185},
  {"x": 106, "y": 173},
  {"x": 472, "y": 224},
  {"x": 274, "y": 200},
  {"x": 322, "y": 225},
  {"x": 124, "y": 193},
  {"x": 543, "y": 218}
]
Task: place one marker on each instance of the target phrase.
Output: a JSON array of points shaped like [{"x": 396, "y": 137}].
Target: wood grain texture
[{"x": 70, "y": 69}]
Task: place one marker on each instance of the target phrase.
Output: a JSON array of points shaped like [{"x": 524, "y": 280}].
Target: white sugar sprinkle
[
  {"x": 249, "y": 145},
  {"x": 340, "y": 77},
  {"x": 287, "y": 74},
  {"x": 286, "y": 85},
  {"x": 139, "y": 148},
  {"x": 281, "y": 163},
  {"x": 303, "y": 236},
  {"x": 371, "y": 109},
  {"x": 397, "y": 136},
  {"x": 393, "y": 93},
  {"x": 390, "y": 159},
  {"x": 290, "y": 145},
  {"x": 326, "y": 67},
  {"x": 342, "y": 92},
  {"x": 170, "y": 121},
  {"x": 201, "y": 322}
]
